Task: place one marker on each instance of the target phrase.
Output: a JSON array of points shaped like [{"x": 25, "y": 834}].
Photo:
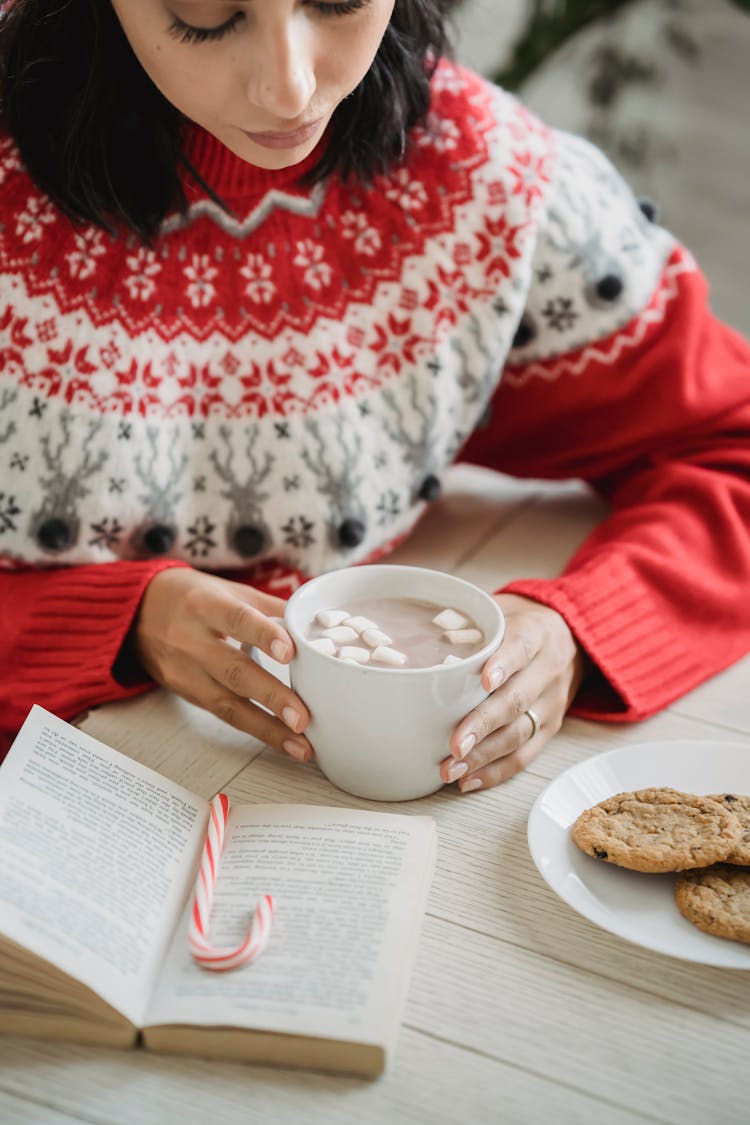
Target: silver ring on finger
[{"x": 536, "y": 723}]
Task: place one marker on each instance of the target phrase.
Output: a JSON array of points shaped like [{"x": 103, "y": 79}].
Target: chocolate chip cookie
[
  {"x": 659, "y": 829},
  {"x": 739, "y": 805},
  {"x": 716, "y": 900}
]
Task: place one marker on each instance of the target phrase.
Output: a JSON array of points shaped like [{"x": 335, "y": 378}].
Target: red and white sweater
[{"x": 275, "y": 389}]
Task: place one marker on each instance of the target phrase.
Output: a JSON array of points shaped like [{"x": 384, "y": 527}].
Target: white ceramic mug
[{"x": 381, "y": 732}]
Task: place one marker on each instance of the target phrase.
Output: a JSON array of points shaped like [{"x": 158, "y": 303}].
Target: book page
[
  {"x": 98, "y": 854},
  {"x": 349, "y": 889}
]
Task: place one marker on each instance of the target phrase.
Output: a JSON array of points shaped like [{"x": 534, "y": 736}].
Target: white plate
[{"x": 640, "y": 908}]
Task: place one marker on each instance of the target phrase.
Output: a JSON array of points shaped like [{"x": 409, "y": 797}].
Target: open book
[{"x": 98, "y": 861}]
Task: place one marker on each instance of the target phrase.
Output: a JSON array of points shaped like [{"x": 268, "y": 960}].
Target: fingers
[
  {"x": 503, "y": 769},
  {"x": 518, "y": 650},
  {"x": 496, "y": 758},
  {"x": 500, "y": 712},
  {"x": 199, "y": 687},
  {"x": 246, "y": 615},
  {"x": 230, "y": 668},
  {"x": 188, "y": 630}
]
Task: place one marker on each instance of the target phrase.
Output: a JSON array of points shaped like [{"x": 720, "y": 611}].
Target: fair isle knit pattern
[{"x": 284, "y": 381}]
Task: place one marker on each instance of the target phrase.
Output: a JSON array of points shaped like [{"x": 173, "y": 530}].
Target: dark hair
[{"x": 102, "y": 141}]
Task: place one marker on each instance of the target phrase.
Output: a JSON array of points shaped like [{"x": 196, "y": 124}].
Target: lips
[{"x": 289, "y": 138}]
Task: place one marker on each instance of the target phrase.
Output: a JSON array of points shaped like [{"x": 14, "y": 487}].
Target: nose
[{"x": 282, "y": 75}]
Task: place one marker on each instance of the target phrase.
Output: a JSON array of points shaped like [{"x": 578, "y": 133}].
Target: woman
[{"x": 267, "y": 267}]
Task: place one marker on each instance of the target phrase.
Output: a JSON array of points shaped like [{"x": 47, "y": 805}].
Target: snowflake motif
[
  {"x": 260, "y": 289},
  {"x": 230, "y": 365},
  {"x": 292, "y": 484},
  {"x": 89, "y": 247},
  {"x": 560, "y": 314},
  {"x": 110, "y": 354},
  {"x": 106, "y": 533},
  {"x": 19, "y": 461},
  {"x": 364, "y": 409},
  {"x": 31, "y": 222},
  {"x": 46, "y": 330},
  {"x": 8, "y": 510},
  {"x": 544, "y": 275},
  {"x": 293, "y": 358},
  {"x": 198, "y": 430},
  {"x": 500, "y": 307},
  {"x": 380, "y": 460},
  {"x": 497, "y": 193},
  {"x": 124, "y": 431},
  {"x": 309, "y": 257},
  {"x": 201, "y": 290},
  {"x": 442, "y": 135},
  {"x": 143, "y": 268},
  {"x": 37, "y": 408},
  {"x": 117, "y": 485},
  {"x": 408, "y": 194},
  {"x": 282, "y": 429},
  {"x": 201, "y": 542},
  {"x": 199, "y": 484},
  {"x": 448, "y": 80},
  {"x": 388, "y": 506},
  {"x": 529, "y": 173},
  {"x": 409, "y": 300},
  {"x": 366, "y": 239},
  {"x": 298, "y": 531}
]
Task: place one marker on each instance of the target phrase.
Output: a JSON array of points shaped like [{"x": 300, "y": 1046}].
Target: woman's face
[{"x": 264, "y": 76}]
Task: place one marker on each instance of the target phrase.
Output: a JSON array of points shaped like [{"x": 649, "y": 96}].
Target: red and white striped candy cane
[{"x": 207, "y": 955}]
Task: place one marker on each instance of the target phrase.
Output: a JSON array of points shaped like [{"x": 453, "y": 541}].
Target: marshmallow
[
  {"x": 375, "y": 637},
  {"x": 359, "y": 624},
  {"x": 463, "y": 636},
  {"x": 451, "y": 659},
  {"x": 324, "y": 645},
  {"x": 450, "y": 619},
  {"x": 330, "y": 617},
  {"x": 341, "y": 634},
  {"x": 354, "y": 653},
  {"x": 384, "y": 655}
]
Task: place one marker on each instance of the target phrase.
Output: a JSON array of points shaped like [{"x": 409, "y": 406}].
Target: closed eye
[{"x": 187, "y": 33}]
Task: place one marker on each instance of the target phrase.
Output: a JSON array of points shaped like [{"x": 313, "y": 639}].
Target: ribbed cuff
[
  {"x": 624, "y": 629},
  {"x": 74, "y": 633}
]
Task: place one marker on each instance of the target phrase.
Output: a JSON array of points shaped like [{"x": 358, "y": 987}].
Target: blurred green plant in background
[
  {"x": 609, "y": 68},
  {"x": 550, "y": 23}
]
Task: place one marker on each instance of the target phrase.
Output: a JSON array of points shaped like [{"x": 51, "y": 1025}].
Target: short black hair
[{"x": 106, "y": 146}]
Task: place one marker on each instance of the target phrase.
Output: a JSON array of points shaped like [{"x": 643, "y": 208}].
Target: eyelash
[{"x": 186, "y": 33}]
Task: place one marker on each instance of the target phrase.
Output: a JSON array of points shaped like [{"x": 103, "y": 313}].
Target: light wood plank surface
[{"x": 519, "y": 1009}]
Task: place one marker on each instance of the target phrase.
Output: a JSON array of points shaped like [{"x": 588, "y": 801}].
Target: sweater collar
[{"x": 231, "y": 177}]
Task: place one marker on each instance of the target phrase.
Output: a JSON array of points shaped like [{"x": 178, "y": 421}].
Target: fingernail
[
  {"x": 292, "y": 718},
  {"x": 465, "y": 745},
  {"x": 469, "y": 784},
  {"x": 297, "y": 750},
  {"x": 279, "y": 650},
  {"x": 497, "y": 675},
  {"x": 456, "y": 770}
]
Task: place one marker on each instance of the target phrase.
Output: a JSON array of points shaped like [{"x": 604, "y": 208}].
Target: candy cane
[{"x": 207, "y": 955}]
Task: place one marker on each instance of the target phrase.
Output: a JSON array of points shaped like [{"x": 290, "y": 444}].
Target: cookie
[
  {"x": 716, "y": 900},
  {"x": 658, "y": 830},
  {"x": 740, "y": 806}
]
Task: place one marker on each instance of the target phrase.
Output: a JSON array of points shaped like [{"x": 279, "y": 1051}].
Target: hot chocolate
[{"x": 395, "y": 633}]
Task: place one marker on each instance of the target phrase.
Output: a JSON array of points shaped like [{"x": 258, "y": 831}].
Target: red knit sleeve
[
  {"x": 61, "y": 632},
  {"x": 657, "y": 419}
]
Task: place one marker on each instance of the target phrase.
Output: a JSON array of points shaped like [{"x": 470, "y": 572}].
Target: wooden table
[{"x": 519, "y": 1009}]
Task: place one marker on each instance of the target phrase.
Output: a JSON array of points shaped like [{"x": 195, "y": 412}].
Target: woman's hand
[
  {"x": 183, "y": 638},
  {"x": 538, "y": 667}
]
